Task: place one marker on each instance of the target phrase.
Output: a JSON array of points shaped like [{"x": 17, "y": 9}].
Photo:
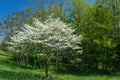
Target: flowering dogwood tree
[{"x": 52, "y": 35}]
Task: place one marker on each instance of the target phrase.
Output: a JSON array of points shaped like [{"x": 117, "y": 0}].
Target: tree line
[{"x": 98, "y": 23}]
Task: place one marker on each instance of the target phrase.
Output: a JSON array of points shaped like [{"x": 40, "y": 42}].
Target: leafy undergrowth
[{"x": 10, "y": 71}]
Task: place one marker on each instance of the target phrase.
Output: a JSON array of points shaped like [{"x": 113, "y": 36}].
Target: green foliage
[
  {"x": 99, "y": 24},
  {"x": 10, "y": 71}
]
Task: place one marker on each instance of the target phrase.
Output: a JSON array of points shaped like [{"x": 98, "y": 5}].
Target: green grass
[{"x": 10, "y": 71}]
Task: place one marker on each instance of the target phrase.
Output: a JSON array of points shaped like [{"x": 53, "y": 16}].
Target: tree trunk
[
  {"x": 43, "y": 64},
  {"x": 26, "y": 61},
  {"x": 56, "y": 62},
  {"x": 46, "y": 67}
]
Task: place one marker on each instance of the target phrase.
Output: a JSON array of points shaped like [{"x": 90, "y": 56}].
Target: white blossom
[{"x": 52, "y": 33}]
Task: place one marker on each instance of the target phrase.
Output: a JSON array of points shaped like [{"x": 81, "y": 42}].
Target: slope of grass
[{"x": 10, "y": 71}]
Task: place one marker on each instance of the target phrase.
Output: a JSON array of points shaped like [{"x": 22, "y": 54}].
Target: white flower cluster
[{"x": 53, "y": 33}]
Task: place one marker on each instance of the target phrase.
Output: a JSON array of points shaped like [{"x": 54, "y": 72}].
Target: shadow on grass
[
  {"x": 65, "y": 70},
  {"x": 8, "y": 62},
  {"x": 2, "y": 54},
  {"x": 9, "y": 70},
  {"x": 11, "y": 75}
]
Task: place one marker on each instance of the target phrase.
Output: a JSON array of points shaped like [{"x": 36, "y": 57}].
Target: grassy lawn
[{"x": 10, "y": 71}]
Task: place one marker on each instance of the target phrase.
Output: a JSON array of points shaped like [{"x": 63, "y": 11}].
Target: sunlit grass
[{"x": 9, "y": 70}]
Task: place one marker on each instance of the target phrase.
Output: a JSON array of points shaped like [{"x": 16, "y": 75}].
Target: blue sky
[
  {"x": 90, "y": 1},
  {"x": 10, "y": 6}
]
